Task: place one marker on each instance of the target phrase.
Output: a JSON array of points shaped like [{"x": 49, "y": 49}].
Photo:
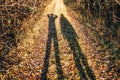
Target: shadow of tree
[
  {"x": 80, "y": 60},
  {"x": 52, "y": 35}
]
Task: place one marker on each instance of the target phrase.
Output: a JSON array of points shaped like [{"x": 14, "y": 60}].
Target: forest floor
[{"x": 58, "y": 47}]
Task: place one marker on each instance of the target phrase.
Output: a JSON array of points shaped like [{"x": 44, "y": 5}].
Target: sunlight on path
[
  {"x": 56, "y": 7},
  {"x": 41, "y": 30}
]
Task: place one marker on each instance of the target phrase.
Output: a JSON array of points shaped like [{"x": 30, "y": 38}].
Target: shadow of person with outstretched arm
[
  {"x": 81, "y": 62},
  {"x": 52, "y": 35}
]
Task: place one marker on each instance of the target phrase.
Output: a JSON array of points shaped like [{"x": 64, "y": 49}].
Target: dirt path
[{"x": 56, "y": 53}]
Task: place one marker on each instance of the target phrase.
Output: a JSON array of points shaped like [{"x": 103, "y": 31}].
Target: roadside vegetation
[
  {"x": 102, "y": 21},
  {"x": 13, "y": 14}
]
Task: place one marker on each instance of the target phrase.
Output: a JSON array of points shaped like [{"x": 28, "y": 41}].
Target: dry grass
[
  {"x": 13, "y": 15},
  {"x": 105, "y": 33}
]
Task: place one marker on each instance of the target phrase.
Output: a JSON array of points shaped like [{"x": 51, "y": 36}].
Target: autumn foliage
[
  {"x": 102, "y": 20},
  {"x": 12, "y": 16}
]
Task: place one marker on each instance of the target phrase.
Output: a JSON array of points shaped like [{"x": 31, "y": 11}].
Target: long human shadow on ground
[
  {"x": 52, "y": 35},
  {"x": 80, "y": 60}
]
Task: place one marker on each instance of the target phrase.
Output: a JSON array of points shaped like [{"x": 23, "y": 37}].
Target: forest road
[{"x": 58, "y": 35}]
